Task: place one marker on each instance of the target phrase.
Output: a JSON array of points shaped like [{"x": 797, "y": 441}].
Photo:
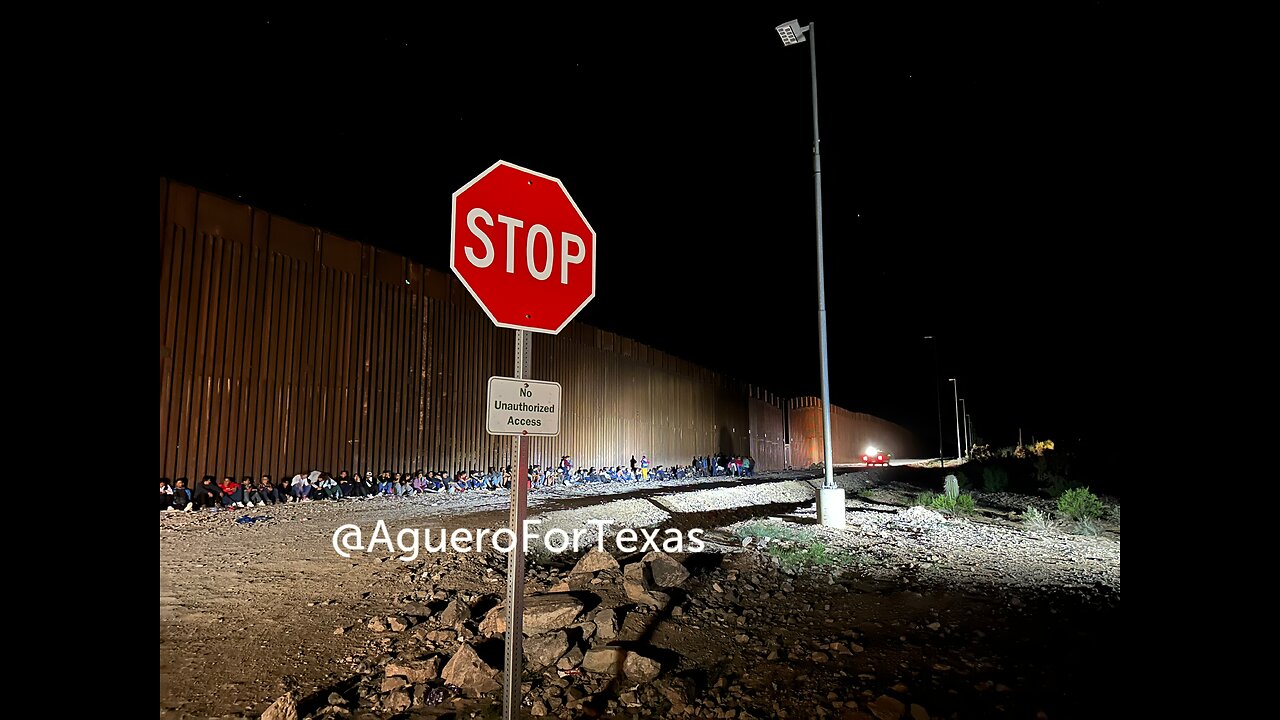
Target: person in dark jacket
[
  {"x": 344, "y": 485},
  {"x": 181, "y": 495},
  {"x": 283, "y": 488},
  {"x": 208, "y": 495}
]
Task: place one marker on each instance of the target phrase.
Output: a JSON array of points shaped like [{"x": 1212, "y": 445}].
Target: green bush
[
  {"x": 962, "y": 481},
  {"x": 1080, "y": 504},
  {"x": 945, "y": 503},
  {"x": 759, "y": 530},
  {"x": 994, "y": 479},
  {"x": 814, "y": 555}
]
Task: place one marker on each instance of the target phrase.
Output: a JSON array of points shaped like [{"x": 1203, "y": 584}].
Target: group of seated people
[{"x": 179, "y": 496}]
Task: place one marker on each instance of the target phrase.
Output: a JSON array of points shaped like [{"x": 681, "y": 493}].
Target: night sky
[{"x": 971, "y": 177}]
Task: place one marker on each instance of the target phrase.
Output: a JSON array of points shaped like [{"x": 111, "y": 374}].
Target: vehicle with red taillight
[{"x": 873, "y": 457}]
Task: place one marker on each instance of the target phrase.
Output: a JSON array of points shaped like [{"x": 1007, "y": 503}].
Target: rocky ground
[{"x": 907, "y": 613}]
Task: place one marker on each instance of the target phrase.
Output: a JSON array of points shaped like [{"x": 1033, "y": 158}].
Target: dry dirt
[{"x": 248, "y": 610}]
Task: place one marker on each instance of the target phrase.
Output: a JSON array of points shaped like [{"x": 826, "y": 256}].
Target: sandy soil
[{"x": 248, "y": 610}]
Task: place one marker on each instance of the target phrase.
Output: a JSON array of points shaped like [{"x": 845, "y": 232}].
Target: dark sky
[{"x": 971, "y": 176}]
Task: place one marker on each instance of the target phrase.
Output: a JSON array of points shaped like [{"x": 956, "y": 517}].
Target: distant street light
[
  {"x": 792, "y": 33},
  {"x": 937, "y": 394},
  {"x": 955, "y": 387}
]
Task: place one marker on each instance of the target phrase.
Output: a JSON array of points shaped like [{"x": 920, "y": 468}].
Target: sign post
[
  {"x": 525, "y": 252},
  {"x": 513, "y": 659}
]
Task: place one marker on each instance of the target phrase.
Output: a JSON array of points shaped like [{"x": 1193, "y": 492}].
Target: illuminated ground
[{"x": 249, "y": 609}]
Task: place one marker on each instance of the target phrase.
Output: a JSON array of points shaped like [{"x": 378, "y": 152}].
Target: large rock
[
  {"x": 606, "y": 660},
  {"x": 284, "y": 708},
  {"x": 455, "y": 614},
  {"x": 640, "y": 668},
  {"x": 664, "y": 570},
  {"x": 397, "y": 701},
  {"x": 495, "y": 621},
  {"x": 887, "y": 708},
  {"x": 555, "y": 611},
  {"x": 467, "y": 671},
  {"x": 606, "y": 624},
  {"x": 415, "y": 671},
  {"x": 571, "y": 659},
  {"x": 638, "y": 589},
  {"x": 594, "y": 561},
  {"x": 544, "y": 650}
]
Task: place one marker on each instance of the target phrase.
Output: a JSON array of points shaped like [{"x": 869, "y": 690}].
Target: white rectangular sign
[{"x": 523, "y": 407}]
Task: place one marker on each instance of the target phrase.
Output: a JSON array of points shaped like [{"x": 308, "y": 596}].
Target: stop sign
[{"x": 522, "y": 248}]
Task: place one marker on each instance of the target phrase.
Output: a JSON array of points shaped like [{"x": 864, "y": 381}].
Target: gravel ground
[
  {"x": 251, "y": 609},
  {"x": 956, "y": 552}
]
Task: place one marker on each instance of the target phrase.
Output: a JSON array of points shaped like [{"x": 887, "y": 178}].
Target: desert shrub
[
  {"x": 981, "y": 453},
  {"x": 1080, "y": 504},
  {"x": 945, "y": 503},
  {"x": 1038, "y": 521},
  {"x": 813, "y": 555},
  {"x": 994, "y": 479},
  {"x": 1085, "y": 527},
  {"x": 758, "y": 530},
  {"x": 962, "y": 481}
]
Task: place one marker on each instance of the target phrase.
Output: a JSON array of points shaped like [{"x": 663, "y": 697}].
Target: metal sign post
[
  {"x": 513, "y": 665},
  {"x": 538, "y": 286}
]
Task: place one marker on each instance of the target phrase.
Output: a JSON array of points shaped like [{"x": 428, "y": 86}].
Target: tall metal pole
[
  {"x": 955, "y": 386},
  {"x": 513, "y": 661},
  {"x": 968, "y": 428},
  {"x": 937, "y": 394},
  {"x": 822, "y": 290},
  {"x": 965, "y": 425}
]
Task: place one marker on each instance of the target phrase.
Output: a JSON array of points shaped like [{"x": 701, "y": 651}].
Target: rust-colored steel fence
[
  {"x": 851, "y": 433},
  {"x": 284, "y": 348}
]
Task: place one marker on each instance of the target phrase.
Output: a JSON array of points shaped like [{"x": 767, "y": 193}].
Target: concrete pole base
[{"x": 831, "y": 507}]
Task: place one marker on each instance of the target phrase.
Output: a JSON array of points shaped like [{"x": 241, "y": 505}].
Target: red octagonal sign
[{"x": 523, "y": 249}]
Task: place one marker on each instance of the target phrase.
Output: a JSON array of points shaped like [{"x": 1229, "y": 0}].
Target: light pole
[
  {"x": 792, "y": 34},
  {"x": 955, "y": 387},
  {"x": 965, "y": 426},
  {"x": 937, "y": 394},
  {"x": 968, "y": 426}
]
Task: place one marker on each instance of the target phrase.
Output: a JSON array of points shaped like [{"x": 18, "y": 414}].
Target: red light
[
  {"x": 864, "y": 458},
  {"x": 881, "y": 457}
]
